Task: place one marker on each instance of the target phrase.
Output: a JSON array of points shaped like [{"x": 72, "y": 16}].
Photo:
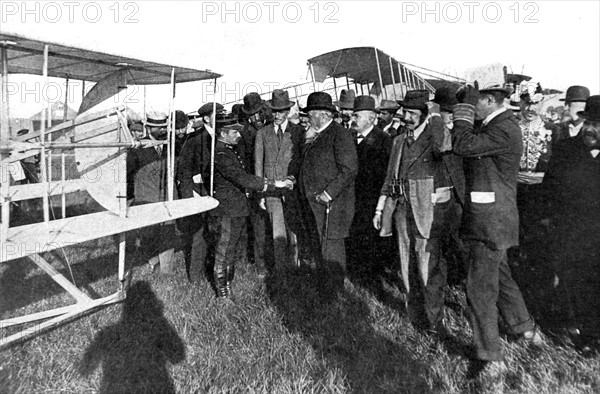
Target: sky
[{"x": 262, "y": 45}]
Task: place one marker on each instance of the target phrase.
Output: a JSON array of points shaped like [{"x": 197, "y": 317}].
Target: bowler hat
[
  {"x": 415, "y": 99},
  {"x": 252, "y": 103},
  {"x": 576, "y": 93},
  {"x": 319, "y": 100},
  {"x": 346, "y": 100},
  {"x": 236, "y": 108},
  {"x": 388, "y": 106},
  {"x": 445, "y": 98},
  {"x": 280, "y": 100},
  {"x": 365, "y": 103},
  {"x": 592, "y": 109},
  {"x": 207, "y": 109},
  {"x": 181, "y": 119}
]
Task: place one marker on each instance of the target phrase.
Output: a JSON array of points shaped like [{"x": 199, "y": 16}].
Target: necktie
[
  {"x": 279, "y": 134},
  {"x": 410, "y": 138},
  {"x": 359, "y": 138}
]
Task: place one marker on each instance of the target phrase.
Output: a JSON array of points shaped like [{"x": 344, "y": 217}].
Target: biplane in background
[{"x": 98, "y": 139}]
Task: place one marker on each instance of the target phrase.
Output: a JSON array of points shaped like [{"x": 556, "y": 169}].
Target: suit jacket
[
  {"x": 492, "y": 155},
  {"x": 274, "y": 160},
  {"x": 232, "y": 181},
  {"x": 147, "y": 175},
  {"x": 373, "y": 156},
  {"x": 194, "y": 159},
  {"x": 330, "y": 164},
  {"x": 429, "y": 179},
  {"x": 571, "y": 191}
]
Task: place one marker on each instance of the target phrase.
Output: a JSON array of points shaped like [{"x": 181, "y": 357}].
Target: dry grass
[{"x": 170, "y": 336}]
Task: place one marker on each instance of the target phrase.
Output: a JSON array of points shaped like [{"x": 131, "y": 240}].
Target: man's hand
[
  {"x": 280, "y": 184},
  {"x": 468, "y": 94},
  {"x": 322, "y": 198},
  {"x": 377, "y": 221},
  {"x": 289, "y": 184},
  {"x": 262, "y": 204}
]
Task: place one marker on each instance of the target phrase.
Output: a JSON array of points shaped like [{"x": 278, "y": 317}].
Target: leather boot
[{"x": 220, "y": 276}]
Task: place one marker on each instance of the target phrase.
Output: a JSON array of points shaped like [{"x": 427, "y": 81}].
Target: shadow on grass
[
  {"x": 341, "y": 334},
  {"x": 134, "y": 352}
]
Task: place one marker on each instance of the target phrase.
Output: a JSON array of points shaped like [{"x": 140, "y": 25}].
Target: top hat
[
  {"x": 592, "y": 109},
  {"x": 415, "y": 99},
  {"x": 280, "y": 100},
  {"x": 207, "y": 109},
  {"x": 181, "y": 119},
  {"x": 504, "y": 90},
  {"x": 364, "y": 103},
  {"x": 319, "y": 100},
  {"x": 252, "y": 103},
  {"x": 156, "y": 120},
  {"x": 346, "y": 100},
  {"x": 445, "y": 98},
  {"x": 576, "y": 93},
  {"x": 388, "y": 106}
]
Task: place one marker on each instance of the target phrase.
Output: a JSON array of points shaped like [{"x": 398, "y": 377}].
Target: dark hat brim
[
  {"x": 407, "y": 105},
  {"x": 317, "y": 107},
  {"x": 575, "y": 100},
  {"x": 289, "y": 105},
  {"x": 366, "y": 109},
  {"x": 252, "y": 111}
]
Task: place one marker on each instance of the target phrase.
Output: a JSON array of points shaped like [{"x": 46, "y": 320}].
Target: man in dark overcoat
[
  {"x": 327, "y": 177},
  {"x": 491, "y": 155},
  {"x": 575, "y": 99},
  {"x": 366, "y": 250},
  {"x": 418, "y": 194},
  {"x": 572, "y": 190}
]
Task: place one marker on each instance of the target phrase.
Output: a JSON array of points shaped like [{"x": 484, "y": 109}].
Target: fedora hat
[
  {"x": 592, "y": 109},
  {"x": 156, "y": 120},
  {"x": 207, "y": 109},
  {"x": 280, "y": 100},
  {"x": 576, "y": 93},
  {"x": 364, "y": 103},
  {"x": 445, "y": 98},
  {"x": 388, "y": 106},
  {"x": 346, "y": 100},
  {"x": 252, "y": 103},
  {"x": 181, "y": 119},
  {"x": 319, "y": 100},
  {"x": 415, "y": 99}
]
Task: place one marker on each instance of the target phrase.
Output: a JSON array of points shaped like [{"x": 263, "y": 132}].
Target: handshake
[{"x": 285, "y": 184}]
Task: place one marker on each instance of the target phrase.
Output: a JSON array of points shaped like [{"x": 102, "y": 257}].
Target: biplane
[{"x": 98, "y": 139}]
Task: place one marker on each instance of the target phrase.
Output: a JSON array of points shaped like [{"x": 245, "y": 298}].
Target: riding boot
[
  {"x": 230, "y": 275},
  {"x": 221, "y": 285}
]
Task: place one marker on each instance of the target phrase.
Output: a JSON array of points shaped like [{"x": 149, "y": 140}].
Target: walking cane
[{"x": 325, "y": 229}]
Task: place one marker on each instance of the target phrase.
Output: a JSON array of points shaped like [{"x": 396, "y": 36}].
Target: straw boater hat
[
  {"x": 346, "y": 100},
  {"x": 592, "y": 109},
  {"x": 252, "y": 103},
  {"x": 415, "y": 99},
  {"x": 503, "y": 89},
  {"x": 319, "y": 100},
  {"x": 156, "y": 119},
  {"x": 280, "y": 101},
  {"x": 365, "y": 103}
]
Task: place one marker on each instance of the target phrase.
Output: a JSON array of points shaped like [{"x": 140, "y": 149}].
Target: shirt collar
[
  {"x": 366, "y": 132},
  {"x": 326, "y": 125},
  {"x": 491, "y": 116},
  {"x": 283, "y": 126}
]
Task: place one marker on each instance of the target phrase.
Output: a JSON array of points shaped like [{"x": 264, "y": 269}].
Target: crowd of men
[{"x": 352, "y": 188}]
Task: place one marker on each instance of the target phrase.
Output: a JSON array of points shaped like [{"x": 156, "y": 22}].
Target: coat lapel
[{"x": 421, "y": 144}]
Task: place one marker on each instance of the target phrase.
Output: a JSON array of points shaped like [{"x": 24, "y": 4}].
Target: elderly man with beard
[
  {"x": 418, "y": 195},
  {"x": 326, "y": 179},
  {"x": 572, "y": 190},
  {"x": 490, "y": 223},
  {"x": 366, "y": 250}
]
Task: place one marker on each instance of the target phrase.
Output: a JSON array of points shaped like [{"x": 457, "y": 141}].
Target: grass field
[{"x": 171, "y": 336}]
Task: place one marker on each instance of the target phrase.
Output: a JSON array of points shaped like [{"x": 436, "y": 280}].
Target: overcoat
[
  {"x": 491, "y": 155},
  {"x": 194, "y": 160},
  {"x": 330, "y": 164},
  {"x": 571, "y": 188}
]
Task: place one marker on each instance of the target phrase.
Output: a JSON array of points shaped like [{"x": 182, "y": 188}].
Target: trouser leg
[
  {"x": 280, "y": 240},
  {"x": 432, "y": 278},
  {"x": 227, "y": 236},
  {"x": 511, "y": 304}
]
